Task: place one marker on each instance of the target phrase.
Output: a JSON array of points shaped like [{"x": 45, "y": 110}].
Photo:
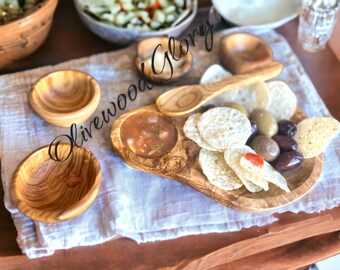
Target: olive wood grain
[
  {"x": 145, "y": 50},
  {"x": 51, "y": 191},
  {"x": 240, "y": 52},
  {"x": 163, "y": 254},
  {"x": 65, "y": 97},
  {"x": 181, "y": 165},
  {"x": 185, "y": 99}
]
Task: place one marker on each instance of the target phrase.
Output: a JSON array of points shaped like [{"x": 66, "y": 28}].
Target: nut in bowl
[
  {"x": 50, "y": 191},
  {"x": 123, "y": 22},
  {"x": 65, "y": 97},
  {"x": 23, "y": 28}
]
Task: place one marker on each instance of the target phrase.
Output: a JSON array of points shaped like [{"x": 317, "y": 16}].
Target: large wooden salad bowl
[{"x": 181, "y": 164}]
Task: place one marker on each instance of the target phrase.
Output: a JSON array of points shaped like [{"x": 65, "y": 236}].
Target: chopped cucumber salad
[
  {"x": 11, "y": 10},
  {"x": 147, "y": 15}
]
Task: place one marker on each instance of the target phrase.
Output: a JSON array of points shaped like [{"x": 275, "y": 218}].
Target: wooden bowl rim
[
  {"x": 93, "y": 101},
  {"x": 184, "y": 69},
  {"x": 125, "y": 116},
  {"x": 249, "y": 35},
  {"x": 44, "y": 5},
  {"x": 74, "y": 210},
  {"x": 292, "y": 196}
]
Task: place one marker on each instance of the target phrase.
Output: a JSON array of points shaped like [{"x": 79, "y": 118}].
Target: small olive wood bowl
[
  {"x": 181, "y": 164},
  {"x": 65, "y": 97},
  {"x": 52, "y": 191},
  {"x": 145, "y": 50},
  {"x": 241, "y": 52}
]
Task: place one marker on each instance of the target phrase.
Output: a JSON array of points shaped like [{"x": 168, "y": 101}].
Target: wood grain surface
[
  {"x": 302, "y": 253},
  {"x": 51, "y": 191},
  {"x": 65, "y": 97},
  {"x": 240, "y": 52},
  {"x": 123, "y": 253},
  {"x": 145, "y": 52},
  {"x": 73, "y": 40},
  {"x": 185, "y": 99},
  {"x": 181, "y": 164}
]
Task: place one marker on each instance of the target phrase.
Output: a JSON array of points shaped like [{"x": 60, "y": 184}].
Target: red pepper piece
[
  {"x": 257, "y": 160},
  {"x": 154, "y": 6},
  {"x": 122, "y": 7}
]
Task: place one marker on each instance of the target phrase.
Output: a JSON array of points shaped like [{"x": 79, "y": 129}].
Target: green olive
[
  {"x": 266, "y": 123},
  {"x": 238, "y": 107}
]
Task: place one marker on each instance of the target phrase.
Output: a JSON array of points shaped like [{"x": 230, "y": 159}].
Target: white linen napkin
[{"x": 131, "y": 203}]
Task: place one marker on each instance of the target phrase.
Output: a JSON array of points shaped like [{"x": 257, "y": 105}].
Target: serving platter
[{"x": 181, "y": 164}]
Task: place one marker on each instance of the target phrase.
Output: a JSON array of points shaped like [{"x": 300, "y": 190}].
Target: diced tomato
[
  {"x": 122, "y": 7},
  {"x": 257, "y": 160},
  {"x": 153, "y": 7}
]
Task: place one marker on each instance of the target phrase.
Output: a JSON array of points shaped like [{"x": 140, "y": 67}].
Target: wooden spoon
[{"x": 185, "y": 99}]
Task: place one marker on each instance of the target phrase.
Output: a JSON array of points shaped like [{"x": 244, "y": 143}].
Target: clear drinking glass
[{"x": 316, "y": 23}]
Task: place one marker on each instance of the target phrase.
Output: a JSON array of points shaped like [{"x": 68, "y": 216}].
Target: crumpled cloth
[{"x": 131, "y": 203}]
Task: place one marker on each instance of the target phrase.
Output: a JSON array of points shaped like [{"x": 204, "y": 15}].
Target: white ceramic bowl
[
  {"x": 125, "y": 36},
  {"x": 258, "y": 14}
]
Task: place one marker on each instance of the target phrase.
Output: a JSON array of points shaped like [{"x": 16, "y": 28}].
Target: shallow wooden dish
[
  {"x": 145, "y": 50},
  {"x": 241, "y": 52},
  {"x": 51, "y": 191},
  {"x": 181, "y": 165},
  {"x": 65, "y": 97}
]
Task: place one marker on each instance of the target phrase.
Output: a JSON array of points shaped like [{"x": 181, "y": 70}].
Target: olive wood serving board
[{"x": 181, "y": 164}]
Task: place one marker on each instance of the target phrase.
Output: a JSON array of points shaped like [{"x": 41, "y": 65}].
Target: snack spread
[{"x": 237, "y": 150}]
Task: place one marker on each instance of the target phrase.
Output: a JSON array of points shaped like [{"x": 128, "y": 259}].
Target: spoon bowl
[{"x": 185, "y": 99}]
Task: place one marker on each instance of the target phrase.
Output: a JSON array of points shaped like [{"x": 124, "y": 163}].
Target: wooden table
[{"x": 295, "y": 241}]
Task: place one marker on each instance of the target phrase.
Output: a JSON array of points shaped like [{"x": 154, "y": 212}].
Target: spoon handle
[{"x": 184, "y": 99}]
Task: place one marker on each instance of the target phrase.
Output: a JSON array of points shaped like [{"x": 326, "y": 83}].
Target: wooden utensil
[
  {"x": 185, "y": 99},
  {"x": 51, "y": 191},
  {"x": 65, "y": 97},
  {"x": 241, "y": 52},
  {"x": 181, "y": 165}
]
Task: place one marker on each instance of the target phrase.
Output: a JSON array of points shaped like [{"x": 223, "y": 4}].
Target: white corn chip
[{"x": 217, "y": 171}]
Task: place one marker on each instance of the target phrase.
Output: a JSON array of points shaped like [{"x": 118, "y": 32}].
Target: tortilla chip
[
  {"x": 217, "y": 171},
  {"x": 282, "y": 101},
  {"x": 314, "y": 134},
  {"x": 216, "y": 73},
  {"x": 224, "y": 128},
  {"x": 251, "y": 97},
  {"x": 191, "y": 132},
  {"x": 246, "y": 170}
]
